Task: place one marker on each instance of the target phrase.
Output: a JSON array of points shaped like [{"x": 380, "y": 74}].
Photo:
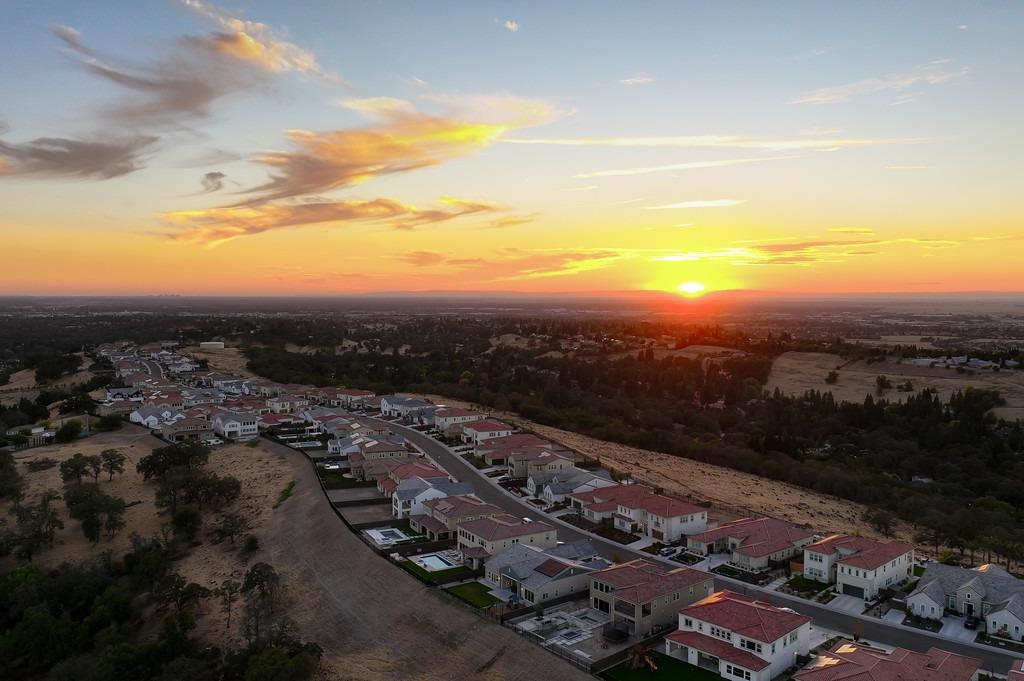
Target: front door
[{"x": 969, "y": 609}]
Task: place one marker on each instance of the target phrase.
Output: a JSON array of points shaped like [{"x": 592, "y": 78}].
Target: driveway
[
  {"x": 850, "y": 604},
  {"x": 953, "y": 628},
  {"x": 373, "y": 620}
]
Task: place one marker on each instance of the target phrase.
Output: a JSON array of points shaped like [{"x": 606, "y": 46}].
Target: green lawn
[
  {"x": 918, "y": 570},
  {"x": 806, "y": 586},
  {"x": 474, "y": 593},
  {"x": 669, "y": 668},
  {"x": 438, "y": 576},
  {"x": 337, "y": 479}
]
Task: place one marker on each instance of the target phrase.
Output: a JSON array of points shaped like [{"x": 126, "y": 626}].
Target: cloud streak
[
  {"x": 700, "y": 203},
  {"x": 728, "y": 141},
  {"x": 214, "y": 226},
  {"x": 693, "y": 165},
  {"x": 212, "y": 181},
  {"x": 933, "y": 73},
  {"x": 100, "y": 158}
]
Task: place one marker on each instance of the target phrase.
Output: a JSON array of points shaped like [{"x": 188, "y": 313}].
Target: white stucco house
[
  {"x": 739, "y": 637},
  {"x": 236, "y": 425},
  {"x": 987, "y": 592},
  {"x": 858, "y": 566}
]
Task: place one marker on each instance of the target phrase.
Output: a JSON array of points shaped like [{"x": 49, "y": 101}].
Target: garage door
[{"x": 851, "y": 590}]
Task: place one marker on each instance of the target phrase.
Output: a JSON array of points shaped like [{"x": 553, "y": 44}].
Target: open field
[
  {"x": 689, "y": 352},
  {"x": 229, "y": 360},
  {"x": 733, "y": 493},
  {"x": 373, "y": 620},
  {"x": 23, "y": 383},
  {"x": 798, "y": 372},
  {"x": 263, "y": 475}
]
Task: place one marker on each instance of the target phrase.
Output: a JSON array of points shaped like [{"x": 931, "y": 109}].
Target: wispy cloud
[
  {"x": 731, "y": 141},
  {"x": 702, "y": 203},
  {"x": 852, "y": 230},
  {"x": 511, "y": 25},
  {"x": 585, "y": 188},
  {"x": 692, "y": 165},
  {"x": 511, "y": 221},
  {"x": 403, "y": 140},
  {"x": 258, "y": 43},
  {"x": 99, "y": 158},
  {"x": 197, "y": 71},
  {"x": 214, "y": 226},
  {"x": 911, "y": 168},
  {"x": 421, "y": 258},
  {"x": 639, "y": 79},
  {"x": 212, "y": 181},
  {"x": 933, "y": 73}
]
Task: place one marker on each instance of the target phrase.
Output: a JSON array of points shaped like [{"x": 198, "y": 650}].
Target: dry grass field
[
  {"x": 229, "y": 360},
  {"x": 262, "y": 472},
  {"x": 798, "y": 372}
]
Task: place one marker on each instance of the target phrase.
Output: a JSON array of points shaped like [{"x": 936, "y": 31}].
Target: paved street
[{"x": 869, "y": 628}]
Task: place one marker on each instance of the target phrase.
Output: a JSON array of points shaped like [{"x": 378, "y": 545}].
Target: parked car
[
  {"x": 669, "y": 551},
  {"x": 332, "y": 466},
  {"x": 211, "y": 441},
  {"x": 970, "y": 622}
]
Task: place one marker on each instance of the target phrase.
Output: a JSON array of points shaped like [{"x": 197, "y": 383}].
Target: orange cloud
[
  {"x": 215, "y": 226},
  {"x": 405, "y": 140}
]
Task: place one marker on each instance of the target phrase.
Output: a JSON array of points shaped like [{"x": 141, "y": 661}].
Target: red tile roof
[
  {"x": 745, "y": 616},
  {"x": 855, "y": 662},
  {"x": 639, "y": 581},
  {"x": 860, "y": 552},
  {"x": 718, "y": 648},
  {"x": 503, "y": 527},
  {"x": 486, "y": 426},
  {"x": 757, "y": 536}
]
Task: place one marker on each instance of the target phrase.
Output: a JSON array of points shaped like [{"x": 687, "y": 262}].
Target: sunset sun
[{"x": 691, "y": 288}]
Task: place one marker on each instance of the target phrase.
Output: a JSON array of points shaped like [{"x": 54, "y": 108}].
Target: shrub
[{"x": 252, "y": 543}]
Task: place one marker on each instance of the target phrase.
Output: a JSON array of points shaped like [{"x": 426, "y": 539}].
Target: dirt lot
[
  {"x": 228, "y": 360},
  {"x": 373, "y": 620},
  {"x": 263, "y": 475},
  {"x": 733, "y": 493},
  {"x": 797, "y": 372}
]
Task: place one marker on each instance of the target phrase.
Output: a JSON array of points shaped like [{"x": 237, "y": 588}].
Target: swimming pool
[{"x": 433, "y": 562}]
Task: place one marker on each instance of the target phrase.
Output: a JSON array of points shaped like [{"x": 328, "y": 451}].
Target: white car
[
  {"x": 332, "y": 466},
  {"x": 213, "y": 441},
  {"x": 669, "y": 551}
]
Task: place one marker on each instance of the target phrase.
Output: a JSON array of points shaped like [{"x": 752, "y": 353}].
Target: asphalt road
[
  {"x": 153, "y": 367},
  {"x": 869, "y": 628}
]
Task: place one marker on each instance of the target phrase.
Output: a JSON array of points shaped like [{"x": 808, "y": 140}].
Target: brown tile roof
[
  {"x": 757, "y": 536},
  {"x": 639, "y": 581},
  {"x": 860, "y": 552},
  {"x": 855, "y": 662},
  {"x": 503, "y": 526},
  {"x": 460, "y": 506},
  {"x": 551, "y": 567},
  {"x": 718, "y": 648},
  {"x": 745, "y": 616}
]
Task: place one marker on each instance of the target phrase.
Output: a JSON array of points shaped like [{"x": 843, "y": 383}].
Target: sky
[{"x": 319, "y": 148}]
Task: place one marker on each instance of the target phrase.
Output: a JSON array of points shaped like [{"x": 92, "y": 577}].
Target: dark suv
[{"x": 970, "y": 622}]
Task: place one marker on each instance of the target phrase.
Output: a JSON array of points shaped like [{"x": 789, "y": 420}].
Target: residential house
[
  {"x": 858, "y": 566},
  {"x": 484, "y": 429},
  {"x": 441, "y": 516},
  {"x": 189, "y": 428},
  {"x": 496, "y": 451},
  {"x": 553, "y": 488},
  {"x": 530, "y": 575},
  {"x": 395, "y": 471},
  {"x": 353, "y": 398},
  {"x": 987, "y": 592},
  {"x": 153, "y": 417},
  {"x": 410, "y": 494},
  {"x": 531, "y": 461},
  {"x": 756, "y": 544},
  {"x": 849, "y": 661},
  {"x": 739, "y": 637},
  {"x": 637, "y": 509},
  {"x": 192, "y": 397},
  {"x": 446, "y": 417},
  {"x": 400, "y": 405},
  {"x": 642, "y": 596},
  {"x": 287, "y": 404},
  {"x": 236, "y": 425},
  {"x": 369, "y": 460},
  {"x": 480, "y": 539}
]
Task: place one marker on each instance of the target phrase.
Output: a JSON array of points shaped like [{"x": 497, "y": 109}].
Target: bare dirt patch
[
  {"x": 229, "y": 360},
  {"x": 733, "y": 493}
]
